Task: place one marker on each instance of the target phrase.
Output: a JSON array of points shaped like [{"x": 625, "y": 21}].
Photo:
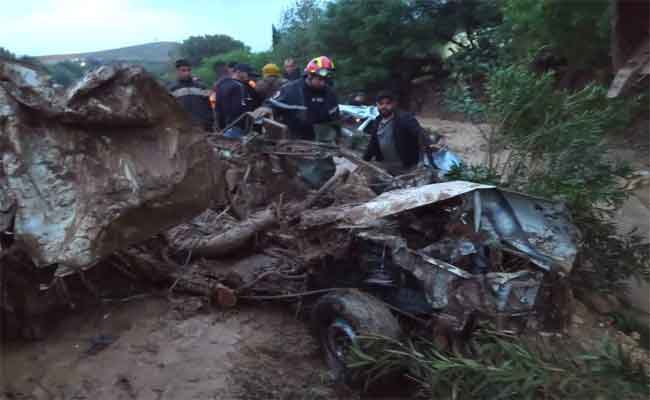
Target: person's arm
[
  {"x": 206, "y": 108},
  {"x": 424, "y": 141},
  {"x": 372, "y": 151},
  {"x": 333, "y": 108}
]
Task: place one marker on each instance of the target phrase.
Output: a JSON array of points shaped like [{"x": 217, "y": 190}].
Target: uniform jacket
[
  {"x": 301, "y": 107},
  {"x": 193, "y": 97}
]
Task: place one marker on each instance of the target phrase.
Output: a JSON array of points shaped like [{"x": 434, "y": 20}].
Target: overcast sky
[{"x": 41, "y": 27}]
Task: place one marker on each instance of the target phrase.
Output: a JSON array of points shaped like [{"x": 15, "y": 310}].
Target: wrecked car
[{"x": 444, "y": 256}]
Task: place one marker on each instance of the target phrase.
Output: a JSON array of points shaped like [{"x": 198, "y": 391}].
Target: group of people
[{"x": 306, "y": 103}]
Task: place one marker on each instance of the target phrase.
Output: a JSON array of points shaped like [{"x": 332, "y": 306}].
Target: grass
[{"x": 503, "y": 368}]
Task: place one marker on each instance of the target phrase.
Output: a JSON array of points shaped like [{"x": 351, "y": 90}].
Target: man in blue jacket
[
  {"x": 308, "y": 103},
  {"x": 192, "y": 95},
  {"x": 235, "y": 97}
]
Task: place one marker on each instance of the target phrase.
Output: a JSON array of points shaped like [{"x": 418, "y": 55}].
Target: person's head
[
  {"x": 358, "y": 99},
  {"x": 230, "y": 68},
  {"x": 243, "y": 72},
  {"x": 290, "y": 65},
  {"x": 271, "y": 70},
  {"x": 318, "y": 71},
  {"x": 220, "y": 68},
  {"x": 183, "y": 70},
  {"x": 386, "y": 103}
]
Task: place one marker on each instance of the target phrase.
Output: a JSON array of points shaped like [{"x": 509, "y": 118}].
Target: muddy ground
[{"x": 152, "y": 348}]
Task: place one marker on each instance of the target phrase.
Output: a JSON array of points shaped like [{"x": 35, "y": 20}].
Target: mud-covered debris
[{"x": 107, "y": 165}]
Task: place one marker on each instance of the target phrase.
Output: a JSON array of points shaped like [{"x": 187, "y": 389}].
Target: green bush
[
  {"x": 66, "y": 72},
  {"x": 608, "y": 260},
  {"x": 503, "y": 368},
  {"x": 473, "y": 173},
  {"x": 557, "y": 137}
]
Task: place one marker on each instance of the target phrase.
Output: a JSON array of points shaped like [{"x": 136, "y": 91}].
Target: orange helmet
[{"x": 321, "y": 66}]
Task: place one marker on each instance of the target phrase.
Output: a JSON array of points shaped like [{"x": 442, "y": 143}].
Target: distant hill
[{"x": 158, "y": 52}]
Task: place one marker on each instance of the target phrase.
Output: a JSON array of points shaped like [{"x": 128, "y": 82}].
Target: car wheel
[{"x": 339, "y": 318}]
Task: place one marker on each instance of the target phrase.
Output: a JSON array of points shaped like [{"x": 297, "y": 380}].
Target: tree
[
  {"x": 578, "y": 31},
  {"x": 297, "y": 32},
  {"x": 465, "y": 17},
  {"x": 65, "y": 72},
  {"x": 379, "y": 44},
  {"x": 196, "y": 48},
  {"x": 275, "y": 36},
  {"x": 206, "y": 71},
  {"x": 6, "y": 54}
]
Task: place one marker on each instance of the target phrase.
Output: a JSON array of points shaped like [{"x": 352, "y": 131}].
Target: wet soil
[{"x": 156, "y": 349}]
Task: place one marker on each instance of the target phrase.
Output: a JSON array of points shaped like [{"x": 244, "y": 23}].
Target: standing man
[
  {"x": 397, "y": 140},
  {"x": 291, "y": 72},
  {"x": 235, "y": 97},
  {"x": 192, "y": 95},
  {"x": 308, "y": 104},
  {"x": 271, "y": 82}
]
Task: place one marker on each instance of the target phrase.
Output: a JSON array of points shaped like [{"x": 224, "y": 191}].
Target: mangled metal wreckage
[{"x": 445, "y": 255}]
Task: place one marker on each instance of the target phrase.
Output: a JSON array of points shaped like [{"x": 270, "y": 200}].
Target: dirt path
[{"x": 169, "y": 351}]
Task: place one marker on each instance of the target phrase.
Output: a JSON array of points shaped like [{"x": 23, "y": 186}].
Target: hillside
[{"x": 149, "y": 52}]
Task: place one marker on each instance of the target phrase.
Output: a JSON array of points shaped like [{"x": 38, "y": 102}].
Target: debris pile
[{"x": 112, "y": 173}]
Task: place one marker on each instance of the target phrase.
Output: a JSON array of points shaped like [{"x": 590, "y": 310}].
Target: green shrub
[
  {"x": 503, "y": 368},
  {"x": 608, "y": 260},
  {"x": 557, "y": 137}
]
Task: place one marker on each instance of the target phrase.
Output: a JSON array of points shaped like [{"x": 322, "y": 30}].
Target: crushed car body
[{"x": 456, "y": 248}]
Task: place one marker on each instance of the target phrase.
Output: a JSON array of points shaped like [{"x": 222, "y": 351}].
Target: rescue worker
[
  {"x": 222, "y": 71},
  {"x": 234, "y": 97},
  {"x": 271, "y": 81},
  {"x": 397, "y": 140},
  {"x": 192, "y": 95},
  {"x": 291, "y": 72},
  {"x": 306, "y": 103}
]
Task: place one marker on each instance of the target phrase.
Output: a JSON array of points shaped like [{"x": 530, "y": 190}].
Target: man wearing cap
[
  {"x": 235, "y": 97},
  {"x": 271, "y": 81},
  {"x": 397, "y": 140},
  {"x": 309, "y": 105},
  {"x": 192, "y": 95}
]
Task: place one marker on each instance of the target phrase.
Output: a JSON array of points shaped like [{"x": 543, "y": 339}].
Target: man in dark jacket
[
  {"x": 309, "y": 104},
  {"x": 397, "y": 140},
  {"x": 235, "y": 97},
  {"x": 192, "y": 95},
  {"x": 291, "y": 72}
]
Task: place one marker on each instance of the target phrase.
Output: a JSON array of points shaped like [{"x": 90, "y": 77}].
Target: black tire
[{"x": 339, "y": 318}]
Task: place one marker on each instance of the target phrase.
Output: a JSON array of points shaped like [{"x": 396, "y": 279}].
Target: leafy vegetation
[
  {"x": 66, "y": 72},
  {"x": 555, "y": 137},
  {"x": 196, "y": 48},
  {"x": 577, "y": 31},
  {"x": 206, "y": 70},
  {"x": 503, "y": 368},
  {"x": 6, "y": 54},
  {"x": 608, "y": 259}
]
